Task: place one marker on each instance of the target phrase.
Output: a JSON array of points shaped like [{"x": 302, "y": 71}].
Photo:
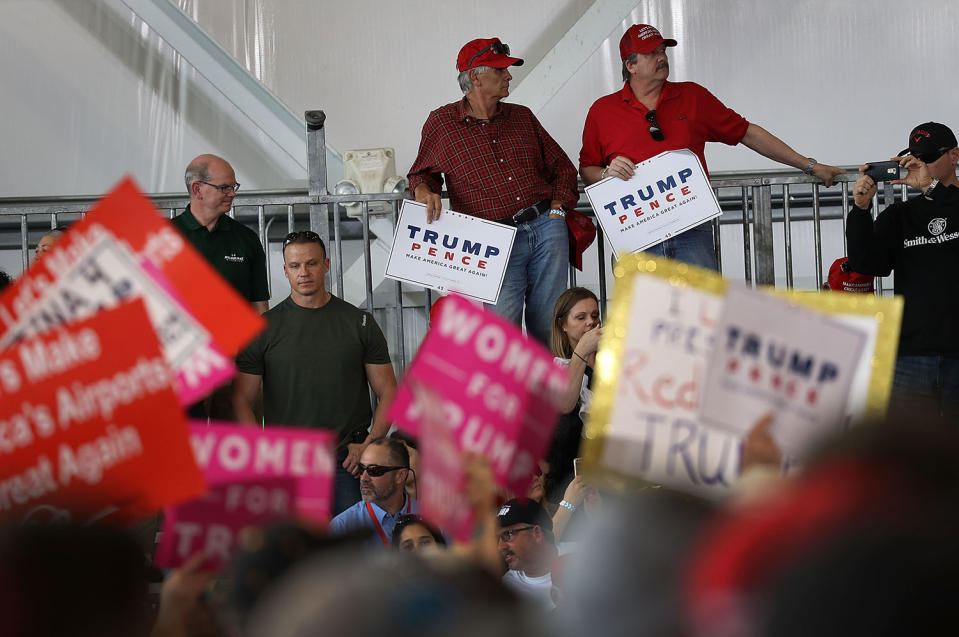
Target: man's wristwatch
[
  {"x": 559, "y": 212},
  {"x": 927, "y": 191},
  {"x": 358, "y": 436},
  {"x": 812, "y": 164},
  {"x": 569, "y": 506}
]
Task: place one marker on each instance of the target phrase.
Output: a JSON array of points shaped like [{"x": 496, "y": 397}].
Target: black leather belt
[{"x": 527, "y": 214}]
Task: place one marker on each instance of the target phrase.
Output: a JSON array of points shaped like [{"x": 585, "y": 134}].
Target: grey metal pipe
[
  {"x": 747, "y": 251},
  {"x": 788, "y": 237},
  {"x": 817, "y": 234},
  {"x": 367, "y": 258}
]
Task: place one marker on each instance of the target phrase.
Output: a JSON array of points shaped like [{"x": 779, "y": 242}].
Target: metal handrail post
[
  {"x": 316, "y": 162},
  {"x": 763, "y": 235}
]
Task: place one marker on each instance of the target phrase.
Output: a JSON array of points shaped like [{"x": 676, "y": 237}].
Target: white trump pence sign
[
  {"x": 456, "y": 253},
  {"x": 667, "y": 195},
  {"x": 772, "y": 356}
]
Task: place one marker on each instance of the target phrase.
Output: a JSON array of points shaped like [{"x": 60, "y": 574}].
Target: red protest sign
[
  {"x": 255, "y": 476},
  {"x": 499, "y": 389},
  {"x": 89, "y": 424},
  {"x": 124, "y": 249}
]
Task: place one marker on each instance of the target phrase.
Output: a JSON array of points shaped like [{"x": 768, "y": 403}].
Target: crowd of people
[{"x": 859, "y": 541}]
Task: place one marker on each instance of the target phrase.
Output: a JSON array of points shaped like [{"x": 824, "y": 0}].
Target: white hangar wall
[{"x": 91, "y": 93}]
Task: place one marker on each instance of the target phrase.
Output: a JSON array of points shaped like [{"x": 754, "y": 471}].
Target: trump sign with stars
[{"x": 667, "y": 195}]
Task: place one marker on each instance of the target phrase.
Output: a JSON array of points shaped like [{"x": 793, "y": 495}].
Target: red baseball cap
[
  {"x": 842, "y": 279},
  {"x": 641, "y": 38},
  {"x": 485, "y": 52}
]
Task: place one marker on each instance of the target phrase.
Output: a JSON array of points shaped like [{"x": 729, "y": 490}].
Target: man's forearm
[
  {"x": 243, "y": 411},
  {"x": 591, "y": 174},
  {"x": 768, "y": 145},
  {"x": 380, "y": 425}
]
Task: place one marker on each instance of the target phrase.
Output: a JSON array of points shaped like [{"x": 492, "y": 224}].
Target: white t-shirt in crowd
[
  {"x": 538, "y": 590},
  {"x": 585, "y": 393}
]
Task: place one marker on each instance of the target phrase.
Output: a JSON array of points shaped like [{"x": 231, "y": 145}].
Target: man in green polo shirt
[{"x": 231, "y": 248}]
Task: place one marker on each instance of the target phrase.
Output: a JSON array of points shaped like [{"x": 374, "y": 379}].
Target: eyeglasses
[
  {"x": 309, "y": 235},
  {"x": 225, "y": 188},
  {"x": 507, "y": 536},
  {"x": 377, "y": 470},
  {"x": 495, "y": 47},
  {"x": 654, "y": 130}
]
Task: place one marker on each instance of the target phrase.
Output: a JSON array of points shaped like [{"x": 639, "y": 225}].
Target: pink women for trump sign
[
  {"x": 498, "y": 389},
  {"x": 256, "y": 476}
]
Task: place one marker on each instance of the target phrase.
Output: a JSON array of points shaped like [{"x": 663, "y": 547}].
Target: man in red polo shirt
[
  {"x": 651, "y": 115},
  {"x": 499, "y": 163}
]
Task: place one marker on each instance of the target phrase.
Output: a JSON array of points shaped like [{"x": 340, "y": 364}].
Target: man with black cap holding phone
[
  {"x": 651, "y": 115},
  {"x": 919, "y": 240},
  {"x": 499, "y": 163},
  {"x": 526, "y": 543}
]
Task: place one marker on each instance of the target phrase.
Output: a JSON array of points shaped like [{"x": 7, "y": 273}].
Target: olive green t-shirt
[
  {"x": 312, "y": 364},
  {"x": 232, "y": 249}
]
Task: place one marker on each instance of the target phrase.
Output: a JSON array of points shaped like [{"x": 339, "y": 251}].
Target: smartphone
[
  {"x": 576, "y": 462},
  {"x": 883, "y": 170}
]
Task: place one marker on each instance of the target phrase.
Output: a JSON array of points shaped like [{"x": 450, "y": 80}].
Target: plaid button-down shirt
[{"x": 492, "y": 168}]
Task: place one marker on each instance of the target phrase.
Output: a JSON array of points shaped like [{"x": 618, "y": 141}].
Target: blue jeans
[
  {"x": 346, "y": 487},
  {"x": 925, "y": 385},
  {"x": 537, "y": 273},
  {"x": 695, "y": 247}
]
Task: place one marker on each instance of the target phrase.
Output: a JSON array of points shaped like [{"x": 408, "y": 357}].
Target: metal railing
[{"x": 762, "y": 204}]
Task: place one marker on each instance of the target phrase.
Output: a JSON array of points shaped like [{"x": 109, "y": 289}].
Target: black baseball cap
[
  {"x": 524, "y": 511},
  {"x": 928, "y": 139}
]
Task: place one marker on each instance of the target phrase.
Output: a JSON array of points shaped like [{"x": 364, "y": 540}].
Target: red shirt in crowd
[
  {"x": 493, "y": 168},
  {"x": 687, "y": 113}
]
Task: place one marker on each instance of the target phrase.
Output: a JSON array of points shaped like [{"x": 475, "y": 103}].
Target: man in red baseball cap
[
  {"x": 500, "y": 164},
  {"x": 918, "y": 239},
  {"x": 650, "y": 115}
]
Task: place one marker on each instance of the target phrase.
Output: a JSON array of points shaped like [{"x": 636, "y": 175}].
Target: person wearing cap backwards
[
  {"x": 919, "y": 240},
  {"x": 527, "y": 545},
  {"x": 500, "y": 164},
  {"x": 651, "y": 115}
]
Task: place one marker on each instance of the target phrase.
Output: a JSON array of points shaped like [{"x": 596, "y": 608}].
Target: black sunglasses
[
  {"x": 507, "y": 535},
  {"x": 495, "y": 47},
  {"x": 654, "y": 130},
  {"x": 309, "y": 235},
  {"x": 377, "y": 470},
  {"x": 928, "y": 158}
]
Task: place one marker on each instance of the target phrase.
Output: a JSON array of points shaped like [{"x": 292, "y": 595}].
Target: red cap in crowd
[
  {"x": 642, "y": 38},
  {"x": 485, "y": 52},
  {"x": 842, "y": 279}
]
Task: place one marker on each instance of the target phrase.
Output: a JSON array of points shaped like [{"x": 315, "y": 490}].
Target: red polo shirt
[{"x": 687, "y": 113}]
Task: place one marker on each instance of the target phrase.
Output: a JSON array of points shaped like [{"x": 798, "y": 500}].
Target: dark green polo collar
[{"x": 189, "y": 222}]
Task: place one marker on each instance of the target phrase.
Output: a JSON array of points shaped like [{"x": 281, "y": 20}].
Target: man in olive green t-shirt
[{"x": 317, "y": 359}]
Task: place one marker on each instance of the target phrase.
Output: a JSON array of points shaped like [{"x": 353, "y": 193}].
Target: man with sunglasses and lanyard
[
  {"x": 318, "y": 359},
  {"x": 231, "y": 248},
  {"x": 383, "y": 467},
  {"x": 651, "y": 115},
  {"x": 918, "y": 239},
  {"x": 500, "y": 164}
]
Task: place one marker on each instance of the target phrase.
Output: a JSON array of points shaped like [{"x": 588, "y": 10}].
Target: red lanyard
[{"x": 378, "y": 526}]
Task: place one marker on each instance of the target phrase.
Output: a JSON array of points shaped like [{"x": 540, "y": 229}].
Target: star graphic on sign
[
  {"x": 811, "y": 396},
  {"x": 755, "y": 374},
  {"x": 732, "y": 365},
  {"x": 791, "y": 388},
  {"x": 777, "y": 380}
]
